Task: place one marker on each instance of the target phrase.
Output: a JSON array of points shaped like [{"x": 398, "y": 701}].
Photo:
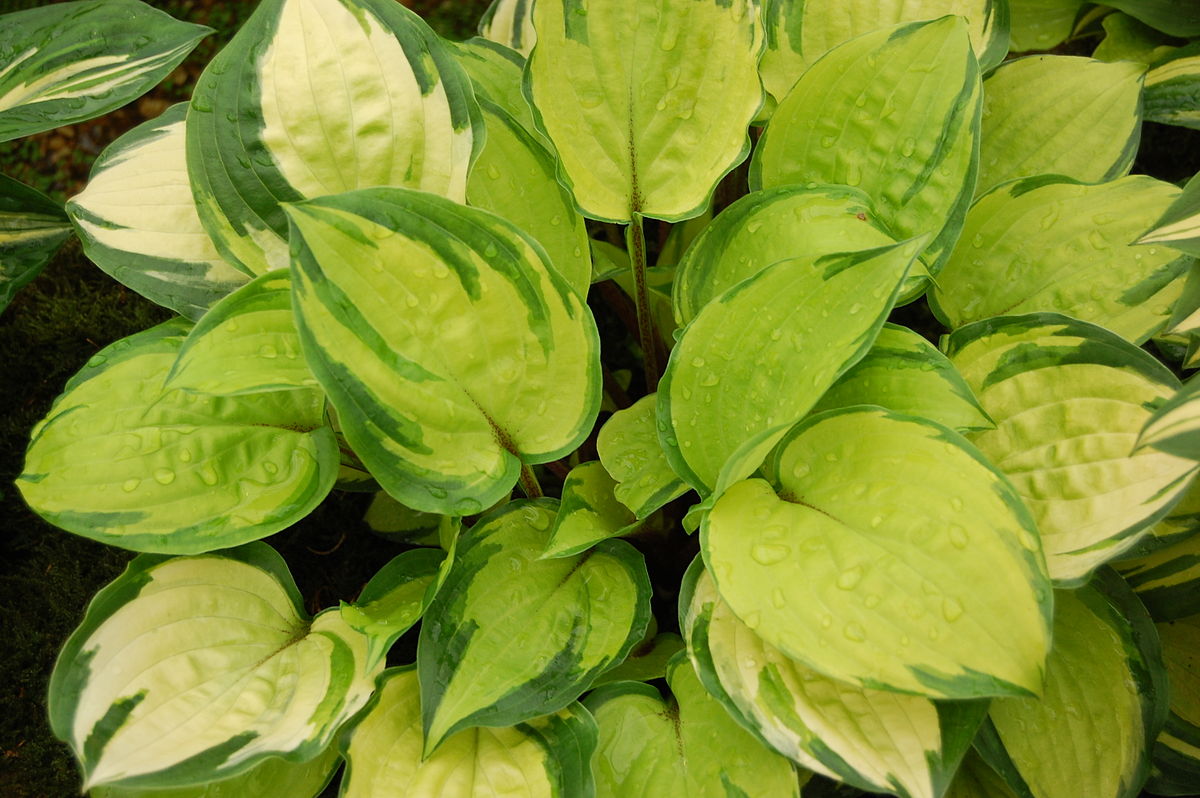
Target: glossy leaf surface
[
  {"x": 32, "y": 228},
  {"x": 589, "y": 512},
  {"x": 629, "y": 449}
]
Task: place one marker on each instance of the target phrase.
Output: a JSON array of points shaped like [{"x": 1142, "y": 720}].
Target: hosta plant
[{"x": 392, "y": 257}]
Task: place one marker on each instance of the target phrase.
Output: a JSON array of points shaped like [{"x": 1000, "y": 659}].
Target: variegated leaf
[
  {"x": 493, "y": 362},
  {"x": 1069, "y": 400},
  {"x": 688, "y": 745},
  {"x": 919, "y": 168},
  {"x": 1179, "y": 226},
  {"x": 32, "y": 228},
  {"x": 138, "y": 222},
  {"x": 122, "y": 460},
  {"x": 768, "y": 226},
  {"x": 758, "y": 357},
  {"x": 1051, "y": 244},
  {"x": 510, "y": 23},
  {"x": 514, "y": 177},
  {"x": 904, "y": 372},
  {"x": 976, "y": 779},
  {"x": 1174, "y": 427},
  {"x": 646, "y": 111},
  {"x": 1175, "y": 769},
  {"x": 69, "y": 62},
  {"x": 629, "y": 449},
  {"x": 877, "y": 553},
  {"x": 877, "y": 740},
  {"x": 1104, "y": 701},
  {"x": 246, "y": 344},
  {"x": 511, "y": 636},
  {"x": 497, "y": 74},
  {"x": 316, "y": 97},
  {"x": 1172, "y": 89},
  {"x": 545, "y": 757},
  {"x": 1060, "y": 115},
  {"x": 192, "y": 669},
  {"x": 1167, "y": 580},
  {"x": 800, "y": 32},
  {"x": 589, "y": 512}
]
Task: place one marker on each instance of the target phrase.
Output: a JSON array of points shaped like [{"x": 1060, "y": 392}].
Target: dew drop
[
  {"x": 270, "y": 467},
  {"x": 826, "y": 621},
  {"x": 849, "y": 578},
  {"x": 697, "y": 362},
  {"x": 872, "y": 601},
  {"x": 769, "y": 553},
  {"x": 752, "y": 620},
  {"x": 208, "y": 475},
  {"x": 958, "y": 537},
  {"x": 956, "y": 504},
  {"x": 952, "y": 610},
  {"x": 164, "y": 476},
  {"x": 710, "y": 379},
  {"x": 130, "y": 485},
  {"x": 828, "y": 141},
  {"x": 268, "y": 351},
  {"x": 876, "y": 521},
  {"x": 185, "y": 455},
  {"x": 908, "y": 147},
  {"x": 97, "y": 360},
  {"x": 855, "y": 633}
]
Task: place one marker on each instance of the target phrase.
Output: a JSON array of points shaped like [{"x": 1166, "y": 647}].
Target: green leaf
[
  {"x": 757, "y": 358},
  {"x": 271, "y": 778},
  {"x": 32, "y": 228},
  {"x": 316, "y": 97},
  {"x": 76, "y": 61},
  {"x": 629, "y": 449},
  {"x": 1179, "y": 226},
  {"x": 646, "y": 661},
  {"x": 1126, "y": 39},
  {"x": 497, "y": 75},
  {"x": 543, "y": 757},
  {"x": 396, "y": 597},
  {"x": 1069, "y": 400},
  {"x": 920, "y": 167},
  {"x": 493, "y": 362},
  {"x": 138, "y": 222},
  {"x": 1167, "y": 580},
  {"x": 510, "y": 636},
  {"x": 1173, "y": 89},
  {"x": 247, "y": 343},
  {"x": 877, "y": 740},
  {"x": 1174, "y": 427},
  {"x": 798, "y": 33},
  {"x": 646, "y": 111},
  {"x": 122, "y": 460},
  {"x": 392, "y": 520},
  {"x": 1175, "y": 769},
  {"x": 1051, "y": 244},
  {"x": 904, "y": 372},
  {"x": 509, "y": 23},
  {"x": 514, "y": 177},
  {"x": 1176, "y": 17},
  {"x": 976, "y": 779},
  {"x": 1062, "y": 115},
  {"x": 187, "y": 670},
  {"x": 768, "y": 226},
  {"x": 876, "y": 556},
  {"x": 1041, "y": 24},
  {"x": 686, "y": 746},
  {"x": 1104, "y": 701},
  {"x": 589, "y": 512}
]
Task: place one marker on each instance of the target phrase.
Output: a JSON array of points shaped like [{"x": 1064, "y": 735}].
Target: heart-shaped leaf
[{"x": 629, "y": 449}]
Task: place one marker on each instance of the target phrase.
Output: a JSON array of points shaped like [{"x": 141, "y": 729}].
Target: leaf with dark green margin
[
  {"x": 687, "y": 745},
  {"x": 1167, "y": 580},
  {"x": 493, "y": 361},
  {"x": 1174, "y": 427},
  {"x": 876, "y": 555},
  {"x": 1052, "y": 244},
  {"x": 188, "y": 670},
  {"x": 768, "y": 226},
  {"x": 919, "y": 168},
  {"x": 1105, "y": 699},
  {"x": 497, "y": 74},
  {"x": 1175, "y": 769},
  {"x": 1069, "y": 400},
  {"x": 138, "y": 222},
  {"x": 74, "y": 61},
  {"x": 32, "y": 228},
  {"x": 1062, "y": 115},
  {"x": 247, "y": 343},
  {"x": 877, "y": 740},
  {"x": 390, "y": 519},
  {"x": 801, "y": 31},
  {"x": 1041, "y": 24},
  {"x": 1179, "y": 226},
  {"x": 589, "y": 512},
  {"x": 317, "y": 97},
  {"x": 904, "y": 372},
  {"x": 271, "y": 778},
  {"x": 1176, "y": 17},
  {"x": 509, "y": 23},
  {"x": 396, "y": 597},
  {"x": 1173, "y": 88},
  {"x": 758, "y": 357},
  {"x": 628, "y": 447},
  {"x": 514, "y": 177},
  {"x": 122, "y": 460},
  {"x": 511, "y": 636},
  {"x": 545, "y": 757},
  {"x": 646, "y": 101}
]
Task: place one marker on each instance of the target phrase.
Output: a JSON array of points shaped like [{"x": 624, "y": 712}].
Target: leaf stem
[
  {"x": 529, "y": 483},
  {"x": 641, "y": 295}
]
